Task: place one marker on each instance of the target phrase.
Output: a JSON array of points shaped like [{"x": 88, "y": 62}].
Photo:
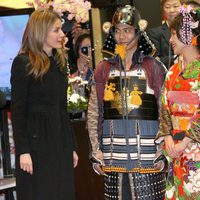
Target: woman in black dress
[{"x": 45, "y": 148}]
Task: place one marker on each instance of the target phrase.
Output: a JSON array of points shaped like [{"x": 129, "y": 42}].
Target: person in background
[
  {"x": 83, "y": 51},
  {"x": 179, "y": 130},
  {"x": 192, "y": 3},
  {"x": 122, "y": 113},
  {"x": 73, "y": 30},
  {"x": 160, "y": 35},
  {"x": 45, "y": 147}
]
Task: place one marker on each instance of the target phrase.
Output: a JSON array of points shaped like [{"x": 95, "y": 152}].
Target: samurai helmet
[
  {"x": 126, "y": 15},
  {"x": 131, "y": 16}
]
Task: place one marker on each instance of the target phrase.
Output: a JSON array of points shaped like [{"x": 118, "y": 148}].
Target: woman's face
[
  {"x": 85, "y": 47},
  {"x": 177, "y": 45},
  {"x": 54, "y": 38},
  {"x": 125, "y": 35},
  {"x": 171, "y": 9}
]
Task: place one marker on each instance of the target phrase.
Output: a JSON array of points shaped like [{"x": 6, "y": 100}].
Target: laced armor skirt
[{"x": 135, "y": 186}]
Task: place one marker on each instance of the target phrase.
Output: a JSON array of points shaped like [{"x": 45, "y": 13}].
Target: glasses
[{"x": 85, "y": 50}]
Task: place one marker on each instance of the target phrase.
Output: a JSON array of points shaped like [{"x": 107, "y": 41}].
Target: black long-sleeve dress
[
  {"x": 41, "y": 127},
  {"x": 2, "y": 100}
]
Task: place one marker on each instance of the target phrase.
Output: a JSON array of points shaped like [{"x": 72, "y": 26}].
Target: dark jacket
[{"x": 160, "y": 36}]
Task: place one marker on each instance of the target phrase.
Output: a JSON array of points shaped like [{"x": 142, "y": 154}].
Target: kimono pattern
[{"x": 180, "y": 117}]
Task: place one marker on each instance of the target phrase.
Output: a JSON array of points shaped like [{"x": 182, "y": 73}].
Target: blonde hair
[{"x": 33, "y": 39}]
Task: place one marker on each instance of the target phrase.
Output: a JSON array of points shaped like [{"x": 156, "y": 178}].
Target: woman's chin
[{"x": 58, "y": 46}]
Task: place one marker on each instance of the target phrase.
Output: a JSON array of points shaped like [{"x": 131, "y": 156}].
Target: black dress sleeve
[
  {"x": 19, "y": 95},
  {"x": 2, "y": 100}
]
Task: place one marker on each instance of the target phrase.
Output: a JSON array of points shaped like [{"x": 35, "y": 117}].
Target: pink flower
[{"x": 77, "y": 9}]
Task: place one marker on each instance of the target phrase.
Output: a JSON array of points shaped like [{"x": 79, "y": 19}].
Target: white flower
[
  {"x": 194, "y": 84},
  {"x": 194, "y": 181},
  {"x": 195, "y": 87},
  {"x": 188, "y": 186},
  {"x": 83, "y": 83},
  {"x": 74, "y": 98},
  {"x": 82, "y": 99},
  {"x": 170, "y": 193},
  {"x": 75, "y": 79}
]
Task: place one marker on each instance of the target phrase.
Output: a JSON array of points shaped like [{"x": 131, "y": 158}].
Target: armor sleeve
[
  {"x": 95, "y": 107},
  {"x": 92, "y": 120},
  {"x": 165, "y": 125}
]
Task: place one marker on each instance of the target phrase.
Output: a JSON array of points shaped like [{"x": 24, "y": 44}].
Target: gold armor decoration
[
  {"x": 142, "y": 24},
  {"x": 135, "y": 96},
  {"x": 109, "y": 92},
  {"x": 121, "y": 51},
  {"x": 132, "y": 98}
]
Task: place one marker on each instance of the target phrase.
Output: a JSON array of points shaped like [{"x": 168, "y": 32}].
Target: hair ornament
[
  {"x": 186, "y": 31},
  {"x": 196, "y": 41}
]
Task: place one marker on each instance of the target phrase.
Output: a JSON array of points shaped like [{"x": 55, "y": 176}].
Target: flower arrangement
[
  {"x": 76, "y": 9},
  {"x": 76, "y": 100}
]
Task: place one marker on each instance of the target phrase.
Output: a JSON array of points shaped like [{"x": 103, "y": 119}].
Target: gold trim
[
  {"x": 108, "y": 52},
  {"x": 124, "y": 170}
]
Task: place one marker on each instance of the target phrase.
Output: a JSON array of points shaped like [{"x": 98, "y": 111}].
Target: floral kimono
[{"x": 180, "y": 117}]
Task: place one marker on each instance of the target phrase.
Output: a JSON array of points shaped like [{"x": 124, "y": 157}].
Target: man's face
[{"x": 125, "y": 35}]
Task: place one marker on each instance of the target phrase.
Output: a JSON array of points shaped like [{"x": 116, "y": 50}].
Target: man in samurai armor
[{"x": 123, "y": 113}]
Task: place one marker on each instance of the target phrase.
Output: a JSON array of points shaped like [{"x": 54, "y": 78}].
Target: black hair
[
  {"x": 178, "y": 23},
  {"x": 79, "y": 41}
]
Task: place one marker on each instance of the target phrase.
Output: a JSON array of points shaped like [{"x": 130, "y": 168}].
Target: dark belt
[{"x": 147, "y": 111}]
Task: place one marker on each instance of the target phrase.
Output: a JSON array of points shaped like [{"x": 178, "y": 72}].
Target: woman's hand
[
  {"x": 26, "y": 163},
  {"x": 181, "y": 146},
  {"x": 170, "y": 147},
  {"x": 75, "y": 159}
]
